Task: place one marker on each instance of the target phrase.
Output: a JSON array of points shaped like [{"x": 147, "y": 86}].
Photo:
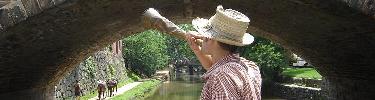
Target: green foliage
[
  {"x": 112, "y": 70},
  {"x": 138, "y": 92},
  {"x": 151, "y": 50},
  {"x": 179, "y": 49},
  {"x": 91, "y": 66},
  {"x": 133, "y": 76},
  {"x": 146, "y": 52},
  {"x": 269, "y": 56},
  {"x": 89, "y": 95},
  {"x": 310, "y": 73}
]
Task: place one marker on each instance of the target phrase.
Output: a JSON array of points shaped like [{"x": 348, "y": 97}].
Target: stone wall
[
  {"x": 295, "y": 92},
  {"x": 366, "y": 6},
  {"x": 96, "y": 67},
  {"x": 296, "y": 89},
  {"x": 348, "y": 89},
  {"x": 307, "y": 82},
  {"x": 15, "y": 11}
]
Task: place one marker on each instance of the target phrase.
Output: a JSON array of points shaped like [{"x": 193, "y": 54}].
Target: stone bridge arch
[{"x": 335, "y": 36}]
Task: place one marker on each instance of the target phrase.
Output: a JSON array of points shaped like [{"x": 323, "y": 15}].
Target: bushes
[
  {"x": 269, "y": 56},
  {"x": 146, "y": 52},
  {"x": 91, "y": 66},
  {"x": 151, "y": 50},
  {"x": 179, "y": 49}
]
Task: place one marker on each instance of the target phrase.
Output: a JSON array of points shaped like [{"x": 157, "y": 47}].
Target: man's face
[{"x": 207, "y": 45}]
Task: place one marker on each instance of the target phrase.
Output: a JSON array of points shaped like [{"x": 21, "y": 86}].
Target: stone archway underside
[{"x": 337, "y": 39}]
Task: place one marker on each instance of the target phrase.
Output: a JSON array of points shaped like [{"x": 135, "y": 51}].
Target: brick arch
[{"x": 331, "y": 35}]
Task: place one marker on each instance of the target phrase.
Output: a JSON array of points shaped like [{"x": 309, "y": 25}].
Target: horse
[
  {"x": 112, "y": 85},
  {"x": 115, "y": 82},
  {"x": 77, "y": 90},
  {"x": 101, "y": 89}
]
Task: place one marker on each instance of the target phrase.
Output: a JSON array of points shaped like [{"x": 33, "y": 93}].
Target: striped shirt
[{"x": 232, "y": 78}]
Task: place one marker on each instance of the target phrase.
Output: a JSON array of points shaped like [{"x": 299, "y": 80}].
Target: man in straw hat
[{"x": 228, "y": 76}]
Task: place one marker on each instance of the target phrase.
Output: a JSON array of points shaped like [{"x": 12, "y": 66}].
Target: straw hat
[{"x": 227, "y": 26}]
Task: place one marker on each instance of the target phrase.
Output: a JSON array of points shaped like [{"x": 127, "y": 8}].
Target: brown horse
[
  {"x": 77, "y": 90},
  {"x": 101, "y": 89},
  {"x": 115, "y": 82},
  {"x": 112, "y": 85}
]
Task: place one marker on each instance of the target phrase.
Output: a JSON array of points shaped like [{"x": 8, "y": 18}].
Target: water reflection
[
  {"x": 186, "y": 87},
  {"x": 181, "y": 87}
]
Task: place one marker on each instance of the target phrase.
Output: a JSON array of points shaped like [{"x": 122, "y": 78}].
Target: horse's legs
[
  {"x": 111, "y": 91},
  {"x": 99, "y": 92},
  {"x": 104, "y": 96}
]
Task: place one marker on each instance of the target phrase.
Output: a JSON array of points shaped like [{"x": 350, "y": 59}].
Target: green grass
[
  {"x": 302, "y": 73},
  {"x": 138, "y": 92},
  {"x": 89, "y": 95},
  {"x": 132, "y": 77}
]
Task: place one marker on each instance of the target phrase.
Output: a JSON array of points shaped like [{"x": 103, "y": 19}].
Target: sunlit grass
[
  {"x": 89, "y": 95},
  {"x": 139, "y": 91},
  {"x": 302, "y": 73}
]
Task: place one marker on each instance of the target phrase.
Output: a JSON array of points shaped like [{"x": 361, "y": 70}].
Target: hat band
[
  {"x": 234, "y": 36},
  {"x": 222, "y": 35}
]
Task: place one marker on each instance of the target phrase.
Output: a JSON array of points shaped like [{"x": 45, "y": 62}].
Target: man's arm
[{"x": 205, "y": 60}]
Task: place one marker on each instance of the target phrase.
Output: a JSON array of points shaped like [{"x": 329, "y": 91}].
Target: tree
[
  {"x": 146, "y": 52},
  {"x": 179, "y": 49},
  {"x": 270, "y": 57}
]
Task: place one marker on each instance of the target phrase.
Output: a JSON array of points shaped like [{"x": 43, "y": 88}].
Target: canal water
[{"x": 181, "y": 87}]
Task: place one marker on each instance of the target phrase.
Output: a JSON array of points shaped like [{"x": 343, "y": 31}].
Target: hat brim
[{"x": 204, "y": 28}]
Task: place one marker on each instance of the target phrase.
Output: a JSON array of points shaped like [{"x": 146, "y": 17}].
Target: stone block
[
  {"x": 45, "y": 4},
  {"x": 5, "y": 18},
  {"x": 57, "y": 2},
  {"x": 31, "y": 6},
  {"x": 3, "y": 3},
  {"x": 58, "y": 93},
  {"x": 293, "y": 92},
  {"x": 17, "y": 11}
]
